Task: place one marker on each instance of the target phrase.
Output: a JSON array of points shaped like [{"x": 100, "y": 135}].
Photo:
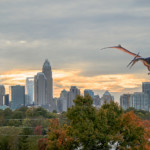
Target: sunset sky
[{"x": 70, "y": 35}]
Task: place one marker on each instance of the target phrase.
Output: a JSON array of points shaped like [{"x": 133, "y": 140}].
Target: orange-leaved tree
[
  {"x": 134, "y": 134},
  {"x": 58, "y": 137}
]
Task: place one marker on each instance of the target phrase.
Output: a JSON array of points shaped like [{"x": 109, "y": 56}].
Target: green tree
[
  {"x": 83, "y": 118},
  {"x": 9, "y": 138},
  {"x": 38, "y": 112},
  {"x": 102, "y": 128}
]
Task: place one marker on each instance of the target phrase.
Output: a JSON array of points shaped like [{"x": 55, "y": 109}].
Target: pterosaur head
[
  {"x": 135, "y": 60},
  {"x": 131, "y": 63}
]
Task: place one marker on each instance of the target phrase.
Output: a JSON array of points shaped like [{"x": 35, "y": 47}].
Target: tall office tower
[
  {"x": 40, "y": 84},
  {"x": 29, "y": 90},
  {"x": 2, "y": 94},
  {"x": 6, "y": 99},
  {"x": 139, "y": 101},
  {"x": 49, "y": 87},
  {"x": 17, "y": 96},
  {"x": 146, "y": 90},
  {"x": 125, "y": 101},
  {"x": 74, "y": 91},
  {"x": 90, "y": 92},
  {"x": 64, "y": 99},
  {"x": 107, "y": 98}
]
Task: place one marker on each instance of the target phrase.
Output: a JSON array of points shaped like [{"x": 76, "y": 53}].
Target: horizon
[{"x": 64, "y": 80}]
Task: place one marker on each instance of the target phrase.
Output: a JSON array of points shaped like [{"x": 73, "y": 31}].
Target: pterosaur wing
[{"x": 124, "y": 50}]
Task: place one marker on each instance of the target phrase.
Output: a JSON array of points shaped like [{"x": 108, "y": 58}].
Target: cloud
[{"x": 62, "y": 79}]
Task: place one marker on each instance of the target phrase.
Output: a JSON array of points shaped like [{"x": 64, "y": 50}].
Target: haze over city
[{"x": 70, "y": 35}]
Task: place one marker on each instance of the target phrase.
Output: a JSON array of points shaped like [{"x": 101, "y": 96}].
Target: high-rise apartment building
[
  {"x": 43, "y": 87},
  {"x": 29, "y": 90},
  {"x": 17, "y": 96},
  {"x": 2, "y": 94}
]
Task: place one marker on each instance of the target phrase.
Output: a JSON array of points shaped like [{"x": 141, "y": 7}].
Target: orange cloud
[{"x": 64, "y": 79}]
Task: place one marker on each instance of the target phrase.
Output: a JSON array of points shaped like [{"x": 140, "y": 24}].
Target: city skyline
[
  {"x": 64, "y": 80},
  {"x": 70, "y": 35}
]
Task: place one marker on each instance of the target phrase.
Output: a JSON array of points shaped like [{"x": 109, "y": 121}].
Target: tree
[
  {"x": 132, "y": 133},
  {"x": 38, "y": 130},
  {"x": 39, "y": 112},
  {"x": 103, "y": 128},
  {"x": 82, "y": 117},
  {"x": 9, "y": 138},
  {"x": 58, "y": 138}
]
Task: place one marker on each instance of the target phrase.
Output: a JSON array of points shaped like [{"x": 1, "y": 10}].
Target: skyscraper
[
  {"x": 43, "y": 87},
  {"x": 40, "y": 84},
  {"x": 74, "y": 91},
  {"x": 17, "y": 96},
  {"x": 2, "y": 93},
  {"x": 29, "y": 90},
  {"x": 49, "y": 89}
]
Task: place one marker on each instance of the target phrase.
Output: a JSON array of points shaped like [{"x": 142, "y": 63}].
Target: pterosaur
[{"x": 137, "y": 57}]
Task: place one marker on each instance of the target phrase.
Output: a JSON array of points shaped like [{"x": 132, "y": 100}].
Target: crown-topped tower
[{"x": 49, "y": 89}]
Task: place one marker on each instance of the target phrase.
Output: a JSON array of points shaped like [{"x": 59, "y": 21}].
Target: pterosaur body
[{"x": 137, "y": 57}]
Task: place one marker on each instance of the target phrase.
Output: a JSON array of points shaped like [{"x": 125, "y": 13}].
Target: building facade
[
  {"x": 146, "y": 90},
  {"x": 49, "y": 87},
  {"x": 43, "y": 87},
  {"x": 29, "y": 90},
  {"x": 6, "y": 100},
  {"x": 17, "y": 96},
  {"x": 139, "y": 100},
  {"x": 106, "y": 98},
  {"x": 64, "y": 99},
  {"x": 74, "y": 91},
  {"x": 40, "y": 84},
  {"x": 89, "y": 92},
  {"x": 97, "y": 101},
  {"x": 2, "y": 94},
  {"x": 125, "y": 102}
]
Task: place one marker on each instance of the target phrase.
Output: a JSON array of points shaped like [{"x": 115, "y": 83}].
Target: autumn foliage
[
  {"x": 58, "y": 137},
  {"x": 38, "y": 130},
  {"x": 89, "y": 128}
]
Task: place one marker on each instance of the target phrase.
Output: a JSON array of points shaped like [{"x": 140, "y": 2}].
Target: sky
[{"x": 70, "y": 35}]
